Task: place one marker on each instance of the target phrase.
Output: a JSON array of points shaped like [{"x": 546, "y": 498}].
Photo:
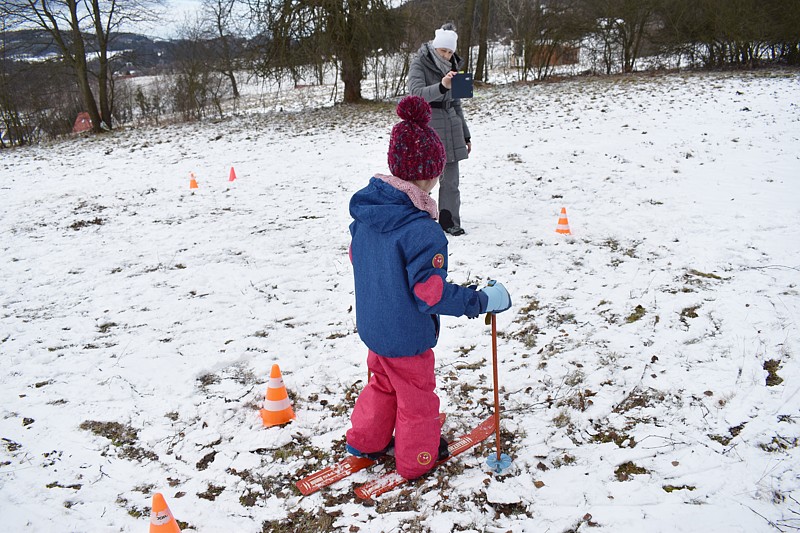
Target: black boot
[
  {"x": 373, "y": 455},
  {"x": 446, "y": 219},
  {"x": 444, "y": 452},
  {"x": 455, "y": 231}
]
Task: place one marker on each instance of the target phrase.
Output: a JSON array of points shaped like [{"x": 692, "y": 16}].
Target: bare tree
[
  {"x": 37, "y": 98},
  {"x": 631, "y": 25},
  {"x": 81, "y": 29},
  {"x": 197, "y": 85},
  {"x": 299, "y": 33},
  {"x": 544, "y": 33},
  {"x": 226, "y": 50},
  {"x": 11, "y": 122},
  {"x": 619, "y": 28},
  {"x": 152, "y": 100}
]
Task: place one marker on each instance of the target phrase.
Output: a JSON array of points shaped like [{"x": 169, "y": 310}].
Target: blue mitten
[{"x": 499, "y": 299}]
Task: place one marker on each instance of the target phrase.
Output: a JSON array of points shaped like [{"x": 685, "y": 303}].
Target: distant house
[
  {"x": 555, "y": 55},
  {"x": 82, "y": 123},
  {"x": 547, "y": 54}
]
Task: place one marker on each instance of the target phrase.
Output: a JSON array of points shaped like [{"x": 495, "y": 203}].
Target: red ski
[
  {"x": 390, "y": 480},
  {"x": 331, "y": 474},
  {"x": 344, "y": 468}
]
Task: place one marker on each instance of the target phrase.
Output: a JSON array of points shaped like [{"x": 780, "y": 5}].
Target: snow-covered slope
[{"x": 648, "y": 367}]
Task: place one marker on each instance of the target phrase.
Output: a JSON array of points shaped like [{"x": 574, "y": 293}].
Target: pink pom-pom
[{"x": 414, "y": 109}]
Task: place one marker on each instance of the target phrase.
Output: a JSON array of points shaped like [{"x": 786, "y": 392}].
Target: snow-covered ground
[{"x": 648, "y": 367}]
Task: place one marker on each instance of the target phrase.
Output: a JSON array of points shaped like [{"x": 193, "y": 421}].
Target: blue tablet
[{"x": 462, "y": 85}]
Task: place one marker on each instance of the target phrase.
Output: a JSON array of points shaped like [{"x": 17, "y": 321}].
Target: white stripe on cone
[
  {"x": 277, "y": 405},
  {"x": 160, "y": 518}
]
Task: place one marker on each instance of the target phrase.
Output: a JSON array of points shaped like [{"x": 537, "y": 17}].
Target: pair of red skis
[{"x": 389, "y": 480}]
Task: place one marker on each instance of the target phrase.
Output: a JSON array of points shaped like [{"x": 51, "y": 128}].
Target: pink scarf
[{"x": 419, "y": 198}]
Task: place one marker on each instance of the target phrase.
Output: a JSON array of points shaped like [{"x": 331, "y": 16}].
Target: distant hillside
[{"x": 139, "y": 51}]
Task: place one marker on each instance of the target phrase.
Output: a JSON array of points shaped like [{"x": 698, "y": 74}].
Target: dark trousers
[{"x": 449, "y": 195}]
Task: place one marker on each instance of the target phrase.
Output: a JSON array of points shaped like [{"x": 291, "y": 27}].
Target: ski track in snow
[{"x": 642, "y": 338}]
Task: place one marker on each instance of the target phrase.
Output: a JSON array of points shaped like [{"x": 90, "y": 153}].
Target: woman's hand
[
  {"x": 447, "y": 80},
  {"x": 469, "y": 148}
]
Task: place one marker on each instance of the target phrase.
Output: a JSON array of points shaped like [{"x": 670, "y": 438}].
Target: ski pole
[{"x": 500, "y": 461}]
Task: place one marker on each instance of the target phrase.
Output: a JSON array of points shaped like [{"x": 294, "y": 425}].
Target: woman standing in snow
[
  {"x": 399, "y": 256},
  {"x": 430, "y": 76}
]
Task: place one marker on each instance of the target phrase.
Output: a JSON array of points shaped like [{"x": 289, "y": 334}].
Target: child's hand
[{"x": 499, "y": 299}]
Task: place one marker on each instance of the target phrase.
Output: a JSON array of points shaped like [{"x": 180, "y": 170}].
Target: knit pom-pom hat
[
  {"x": 446, "y": 37},
  {"x": 415, "y": 150}
]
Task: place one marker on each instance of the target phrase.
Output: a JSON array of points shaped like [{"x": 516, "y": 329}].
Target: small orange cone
[
  {"x": 161, "y": 519},
  {"x": 193, "y": 181},
  {"x": 233, "y": 175},
  {"x": 563, "y": 223},
  {"x": 277, "y": 407}
]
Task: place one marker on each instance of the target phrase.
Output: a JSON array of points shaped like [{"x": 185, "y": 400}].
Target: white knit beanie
[{"x": 446, "y": 37}]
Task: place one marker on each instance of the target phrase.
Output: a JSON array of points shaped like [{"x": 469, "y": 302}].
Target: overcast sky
[{"x": 177, "y": 12}]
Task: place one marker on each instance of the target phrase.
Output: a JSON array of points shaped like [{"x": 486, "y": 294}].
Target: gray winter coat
[{"x": 424, "y": 78}]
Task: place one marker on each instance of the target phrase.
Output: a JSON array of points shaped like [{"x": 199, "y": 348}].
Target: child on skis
[{"x": 399, "y": 256}]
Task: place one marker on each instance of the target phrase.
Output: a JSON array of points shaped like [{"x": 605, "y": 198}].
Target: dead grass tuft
[
  {"x": 211, "y": 492},
  {"x": 118, "y": 434},
  {"x": 772, "y": 366},
  {"x": 628, "y": 469},
  {"x": 638, "y": 313},
  {"x": 672, "y": 488}
]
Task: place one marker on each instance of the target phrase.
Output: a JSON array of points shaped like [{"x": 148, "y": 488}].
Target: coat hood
[{"x": 383, "y": 207}]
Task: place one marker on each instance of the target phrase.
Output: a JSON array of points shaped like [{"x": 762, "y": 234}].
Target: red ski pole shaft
[{"x": 496, "y": 387}]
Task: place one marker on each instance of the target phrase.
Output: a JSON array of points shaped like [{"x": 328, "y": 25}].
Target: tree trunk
[
  {"x": 229, "y": 64},
  {"x": 466, "y": 34},
  {"x": 77, "y": 56},
  {"x": 81, "y": 71},
  {"x": 103, "y": 90},
  {"x": 352, "y": 74},
  {"x": 639, "y": 35},
  {"x": 103, "y": 76},
  {"x": 227, "y": 54},
  {"x": 483, "y": 44},
  {"x": 234, "y": 85}
]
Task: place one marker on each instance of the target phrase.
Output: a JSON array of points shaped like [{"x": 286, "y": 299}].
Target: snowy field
[{"x": 648, "y": 367}]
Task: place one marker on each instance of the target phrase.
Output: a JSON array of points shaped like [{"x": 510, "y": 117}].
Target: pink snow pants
[{"x": 399, "y": 398}]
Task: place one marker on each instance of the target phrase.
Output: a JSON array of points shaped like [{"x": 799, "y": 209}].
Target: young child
[{"x": 399, "y": 256}]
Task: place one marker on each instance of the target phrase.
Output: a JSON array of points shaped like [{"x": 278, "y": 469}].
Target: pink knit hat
[{"x": 415, "y": 150}]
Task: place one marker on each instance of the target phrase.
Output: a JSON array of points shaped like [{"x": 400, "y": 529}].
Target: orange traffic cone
[
  {"x": 563, "y": 223},
  {"x": 161, "y": 519},
  {"x": 233, "y": 175},
  {"x": 193, "y": 181},
  {"x": 277, "y": 407}
]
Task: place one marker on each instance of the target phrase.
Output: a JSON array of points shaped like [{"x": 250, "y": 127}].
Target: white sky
[{"x": 177, "y": 12}]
